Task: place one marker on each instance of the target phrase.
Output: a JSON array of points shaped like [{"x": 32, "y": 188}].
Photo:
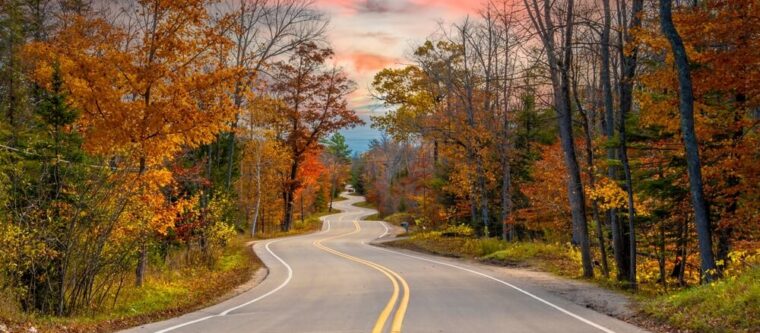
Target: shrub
[{"x": 461, "y": 230}]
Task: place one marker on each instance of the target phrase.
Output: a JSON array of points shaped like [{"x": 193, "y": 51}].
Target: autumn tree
[
  {"x": 262, "y": 30},
  {"x": 148, "y": 85},
  {"x": 313, "y": 106}
]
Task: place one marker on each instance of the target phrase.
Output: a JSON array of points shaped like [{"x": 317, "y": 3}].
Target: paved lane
[{"x": 333, "y": 281}]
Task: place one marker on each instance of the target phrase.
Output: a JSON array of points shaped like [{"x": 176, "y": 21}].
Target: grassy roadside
[
  {"x": 730, "y": 305},
  {"x": 166, "y": 293},
  {"x": 311, "y": 223},
  {"x": 369, "y": 205},
  {"x": 364, "y": 204}
]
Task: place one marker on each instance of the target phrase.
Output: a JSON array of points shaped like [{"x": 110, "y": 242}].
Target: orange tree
[{"x": 148, "y": 85}]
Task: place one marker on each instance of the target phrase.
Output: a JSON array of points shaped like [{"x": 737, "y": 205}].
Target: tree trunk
[
  {"x": 258, "y": 191},
  {"x": 629, "y": 62},
  {"x": 559, "y": 71},
  {"x": 508, "y": 233},
  {"x": 575, "y": 185},
  {"x": 592, "y": 180},
  {"x": 694, "y": 168},
  {"x": 142, "y": 261},
  {"x": 621, "y": 259},
  {"x": 290, "y": 191}
]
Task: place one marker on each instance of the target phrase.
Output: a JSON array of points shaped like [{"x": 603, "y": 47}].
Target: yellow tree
[{"x": 148, "y": 84}]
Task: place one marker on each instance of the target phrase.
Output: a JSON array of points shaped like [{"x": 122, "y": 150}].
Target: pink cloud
[
  {"x": 462, "y": 6},
  {"x": 367, "y": 62},
  {"x": 402, "y": 6}
]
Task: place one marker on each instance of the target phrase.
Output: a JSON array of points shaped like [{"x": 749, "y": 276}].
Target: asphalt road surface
[{"x": 334, "y": 281}]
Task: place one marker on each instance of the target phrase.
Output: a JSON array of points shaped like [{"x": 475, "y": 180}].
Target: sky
[{"x": 369, "y": 35}]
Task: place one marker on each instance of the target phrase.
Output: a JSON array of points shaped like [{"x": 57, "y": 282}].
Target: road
[{"x": 334, "y": 281}]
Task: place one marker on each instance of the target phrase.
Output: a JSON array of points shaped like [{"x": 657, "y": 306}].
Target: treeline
[
  {"x": 627, "y": 128},
  {"x": 148, "y": 133}
]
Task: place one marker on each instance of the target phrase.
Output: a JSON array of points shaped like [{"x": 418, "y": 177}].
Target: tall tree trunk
[
  {"x": 693, "y": 164},
  {"x": 508, "y": 233},
  {"x": 629, "y": 62},
  {"x": 575, "y": 185},
  {"x": 258, "y": 190},
  {"x": 592, "y": 179},
  {"x": 289, "y": 195},
  {"x": 559, "y": 69},
  {"x": 142, "y": 258},
  {"x": 621, "y": 259}
]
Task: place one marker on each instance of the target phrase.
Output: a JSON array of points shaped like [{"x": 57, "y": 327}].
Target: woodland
[
  {"x": 143, "y": 142},
  {"x": 624, "y": 131},
  {"x": 141, "y": 139}
]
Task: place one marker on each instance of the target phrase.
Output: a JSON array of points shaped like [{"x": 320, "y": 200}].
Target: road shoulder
[{"x": 609, "y": 302}]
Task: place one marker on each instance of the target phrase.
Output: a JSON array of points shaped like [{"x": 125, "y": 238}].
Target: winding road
[{"x": 334, "y": 281}]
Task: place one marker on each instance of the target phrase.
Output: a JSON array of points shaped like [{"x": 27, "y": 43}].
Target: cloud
[
  {"x": 364, "y": 62},
  {"x": 369, "y": 7}
]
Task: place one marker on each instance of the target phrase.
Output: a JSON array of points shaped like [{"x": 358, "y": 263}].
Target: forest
[
  {"x": 141, "y": 139},
  {"x": 624, "y": 131},
  {"x": 145, "y": 143}
]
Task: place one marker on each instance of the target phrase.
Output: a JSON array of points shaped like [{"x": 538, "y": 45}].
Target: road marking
[
  {"x": 282, "y": 285},
  {"x": 557, "y": 307},
  {"x": 398, "y": 317}
]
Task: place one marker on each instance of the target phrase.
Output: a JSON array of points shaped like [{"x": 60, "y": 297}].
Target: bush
[
  {"x": 398, "y": 218},
  {"x": 490, "y": 245}
]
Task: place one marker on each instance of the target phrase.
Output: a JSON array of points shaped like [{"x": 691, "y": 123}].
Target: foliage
[{"x": 113, "y": 134}]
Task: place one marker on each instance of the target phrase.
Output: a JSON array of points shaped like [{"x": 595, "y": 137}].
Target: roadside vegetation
[
  {"x": 612, "y": 141},
  {"x": 175, "y": 287},
  {"x": 137, "y": 155}
]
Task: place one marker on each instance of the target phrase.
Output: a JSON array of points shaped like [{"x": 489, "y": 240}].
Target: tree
[
  {"x": 560, "y": 60},
  {"x": 337, "y": 156},
  {"x": 313, "y": 106},
  {"x": 263, "y": 30},
  {"x": 147, "y": 87},
  {"x": 691, "y": 147}
]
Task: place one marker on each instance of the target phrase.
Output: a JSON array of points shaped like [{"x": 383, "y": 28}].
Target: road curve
[{"x": 333, "y": 281}]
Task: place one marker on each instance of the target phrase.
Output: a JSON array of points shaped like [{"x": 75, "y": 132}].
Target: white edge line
[
  {"x": 557, "y": 307},
  {"x": 282, "y": 285}
]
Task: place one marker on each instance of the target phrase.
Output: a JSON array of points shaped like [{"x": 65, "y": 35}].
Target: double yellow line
[{"x": 398, "y": 317}]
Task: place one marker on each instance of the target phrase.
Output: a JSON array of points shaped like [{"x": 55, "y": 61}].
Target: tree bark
[
  {"x": 289, "y": 193},
  {"x": 693, "y": 164},
  {"x": 621, "y": 258},
  {"x": 258, "y": 190},
  {"x": 560, "y": 77}
]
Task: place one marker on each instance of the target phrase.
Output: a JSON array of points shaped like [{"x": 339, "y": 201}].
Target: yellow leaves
[
  {"x": 149, "y": 94},
  {"x": 608, "y": 194}
]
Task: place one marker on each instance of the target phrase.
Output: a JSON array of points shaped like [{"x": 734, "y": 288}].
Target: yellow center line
[{"x": 398, "y": 317}]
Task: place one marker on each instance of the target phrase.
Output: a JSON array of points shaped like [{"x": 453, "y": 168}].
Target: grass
[
  {"x": 310, "y": 224},
  {"x": 166, "y": 293},
  {"x": 373, "y": 217},
  {"x": 729, "y": 305},
  {"x": 555, "y": 258},
  {"x": 365, "y": 204}
]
